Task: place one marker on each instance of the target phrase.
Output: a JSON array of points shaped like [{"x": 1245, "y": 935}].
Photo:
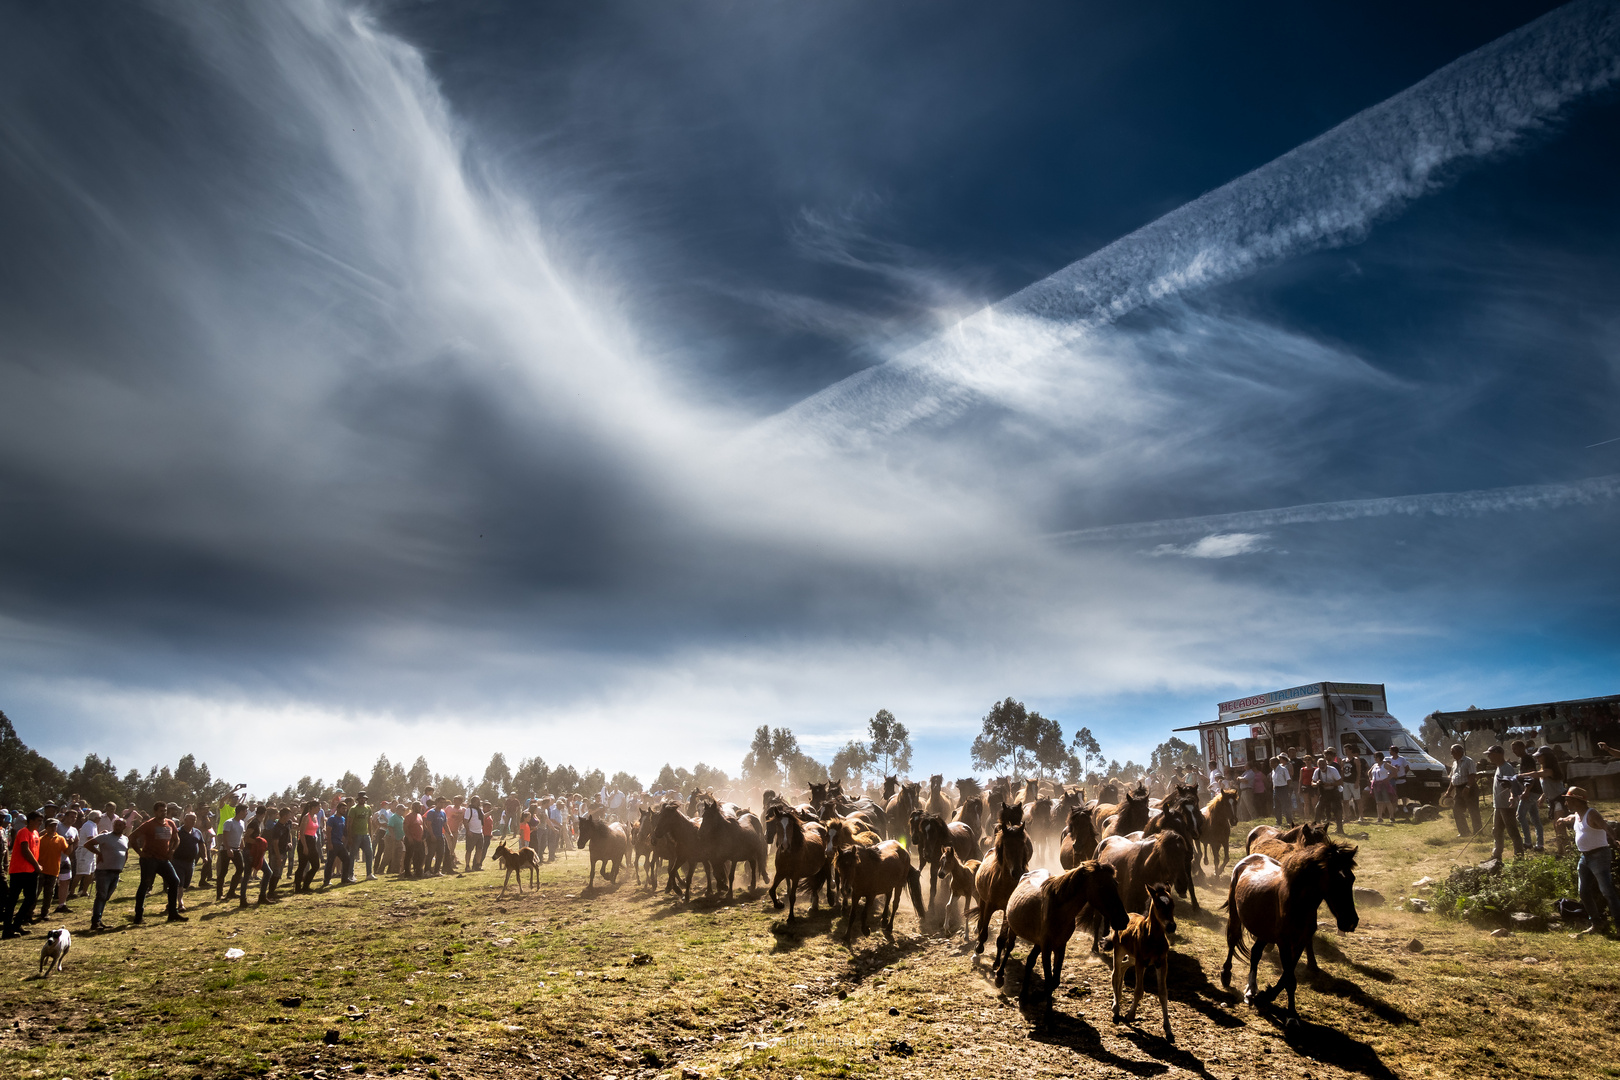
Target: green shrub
[{"x": 1532, "y": 884}]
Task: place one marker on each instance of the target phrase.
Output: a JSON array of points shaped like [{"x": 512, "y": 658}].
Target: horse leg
[
  {"x": 1141, "y": 985},
  {"x": 793, "y": 894},
  {"x": 1119, "y": 978},
  {"x": 1290, "y": 960},
  {"x": 1226, "y": 968},
  {"x": 592, "y": 881},
  {"x": 1029, "y": 972},
  {"x": 984, "y": 928},
  {"x": 771, "y": 892},
  {"x": 1252, "y": 991},
  {"x": 1055, "y": 975},
  {"x": 1310, "y": 954},
  {"x": 1164, "y": 995}
]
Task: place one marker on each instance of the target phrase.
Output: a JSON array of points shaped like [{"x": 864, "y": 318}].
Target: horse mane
[
  {"x": 1324, "y": 855},
  {"x": 968, "y": 788}
]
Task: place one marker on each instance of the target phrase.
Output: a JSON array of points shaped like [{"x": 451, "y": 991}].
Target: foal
[
  {"x": 1145, "y": 943},
  {"x": 960, "y": 873},
  {"x": 515, "y": 862}
]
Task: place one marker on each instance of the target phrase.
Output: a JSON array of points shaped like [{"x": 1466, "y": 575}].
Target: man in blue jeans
[
  {"x": 154, "y": 840},
  {"x": 435, "y": 821},
  {"x": 360, "y": 815},
  {"x": 1595, "y": 871},
  {"x": 338, "y": 850}
]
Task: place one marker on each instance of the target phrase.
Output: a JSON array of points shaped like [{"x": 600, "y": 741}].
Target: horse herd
[{"x": 1123, "y": 859}]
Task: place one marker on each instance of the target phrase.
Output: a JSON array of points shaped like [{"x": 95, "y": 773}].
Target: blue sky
[{"x": 602, "y": 381}]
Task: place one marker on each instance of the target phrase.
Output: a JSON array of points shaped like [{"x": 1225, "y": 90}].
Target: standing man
[
  {"x": 1504, "y": 802},
  {"x": 415, "y": 844},
  {"x": 84, "y": 857},
  {"x": 434, "y": 820},
  {"x": 232, "y": 831},
  {"x": 53, "y": 854},
  {"x": 360, "y": 828},
  {"x": 154, "y": 842},
  {"x": 1330, "y": 794},
  {"x": 1595, "y": 871},
  {"x": 1530, "y": 797},
  {"x": 475, "y": 833},
  {"x": 398, "y": 858},
  {"x": 455, "y": 818},
  {"x": 1464, "y": 791},
  {"x": 278, "y": 841},
  {"x": 111, "y": 850},
  {"x": 188, "y": 848},
  {"x": 1399, "y": 767},
  {"x": 337, "y": 846},
  {"x": 23, "y": 888},
  {"x": 1282, "y": 778}
]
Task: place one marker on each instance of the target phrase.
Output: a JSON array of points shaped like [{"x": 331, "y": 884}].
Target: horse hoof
[
  {"x": 1169, "y": 1038},
  {"x": 1000, "y": 979},
  {"x": 1292, "y": 1024},
  {"x": 1226, "y": 978},
  {"x": 978, "y": 950}
]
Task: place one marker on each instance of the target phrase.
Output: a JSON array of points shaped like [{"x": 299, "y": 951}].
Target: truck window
[{"x": 1361, "y": 704}]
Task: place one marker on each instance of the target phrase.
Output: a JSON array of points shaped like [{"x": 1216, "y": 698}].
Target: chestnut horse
[
  {"x": 1270, "y": 840},
  {"x": 1145, "y": 945},
  {"x": 999, "y": 872},
  {"x": 1128, "y": 816},
  {"x": 961, "y": 873},
  {"x": 1043, "y": 909},
  {"x": 1179, "y": 813},
  {"x": 685, "y": 849},
  {"x": 609, "y": 843},
  {"x": 801, "y": 855},
  {"x": 1219, "y": 815},
  {"x": 515, "y": 862},
  {"x": 1276, "y": 901}
]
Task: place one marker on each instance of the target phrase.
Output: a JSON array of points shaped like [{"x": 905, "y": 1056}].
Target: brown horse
[
  {"x": 1270, "y": 840},
  {"x": 932, "y": 836},
  {"x": 1276, "y": 901},
  {"x": 801, "y": 855},
  {"x": 685, "y": 849},
  {"x": 1043, "y": 909},
  {"x": 1160, "y": 859},
  {"x": 1179, "y": 813},
  {"x": 960, "y": 873},
  {"x": 1145, "y": 944},
  {"x": 1044, "y": 819},
  {"x": 999, "y": 872},
  {"x": 1219, "y": 815},
  {"x": 731, "y": 835},
  {"x": 881, "y": 870},
  {"x": 643, "y": 847},
  {"x": 900, "y": 808},
  {"x": 609, "y": 843},
  {"x": 1128, "y": 816},
  {"x": 1079, "y": 839},
  {"x": 515, "y": 862},
  {"x": 843, "y": 833},
  {"x": 938, "y": 802}
]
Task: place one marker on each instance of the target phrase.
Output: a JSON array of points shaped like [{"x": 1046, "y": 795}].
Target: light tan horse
[{"x": 1220, "y": 815}]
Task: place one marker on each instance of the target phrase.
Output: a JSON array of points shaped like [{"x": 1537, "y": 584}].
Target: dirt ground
[{"x": 442, "y": 978}]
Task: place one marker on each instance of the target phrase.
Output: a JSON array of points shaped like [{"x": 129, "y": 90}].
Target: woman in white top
[
  {"x": 1595, "y": 870},
  {"x": 1383, "y": 788}
]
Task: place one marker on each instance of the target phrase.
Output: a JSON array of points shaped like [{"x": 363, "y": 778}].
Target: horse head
[
  {"x": 587, "y": 830},
  {"x": 1011, "y": 813},
  {"x": 1338, "y": 868},
  {"x": 818, "y": 794},
  {"x": 1161, "y": 908},
  {"x": 835, "y": 790},
  {"x": 1010, "y": 849},
  {"x": 968, "y": 788},
  {"x": 890, "y": 784}
]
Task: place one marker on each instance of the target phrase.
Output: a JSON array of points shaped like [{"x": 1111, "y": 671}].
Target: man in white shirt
[
  {"x": 1595, "y": 869},
  {"x": 84, "y": 856},
  {"x": 1217, "y": 779},
  {"x": 1464, "y": 792},
  {"x": 1282, "y": 795},
  {"x": 1330, "y": 805}
]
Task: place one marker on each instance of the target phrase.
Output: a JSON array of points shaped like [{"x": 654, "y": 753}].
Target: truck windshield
[{"x": 1383, "y": 740}]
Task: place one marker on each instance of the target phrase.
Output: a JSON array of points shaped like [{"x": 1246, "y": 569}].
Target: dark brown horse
[
  {"x": 902, "y": 806},
  {"x": 932, "y": 836},
  {"x": 1160, "y": 859},
  {"x": 1275, "y": 902},
  {"x": 685, "y": 849},
  {"x": 643, "y": 848},
  {"x": 1179, "y": 813},
  {"x": 870, "y": 872},
  {"x": 1079, "y": 839},
  {"x": 960, "y": 873},
  {"x": 1270, "y": 840},
  {"x": 515, "y": 862},
  {"x": 1127, "y": 816},
  {"x": 999, "y": 872},
  {"x": 1220, "y": 814},
  {"x": 801, "y": 855},
  {"x": 731, "y": 835},
  {"x": 1043, "y": 909},
  {"x": 609, "y": 842},
  {"x": 936, "y": 801}
]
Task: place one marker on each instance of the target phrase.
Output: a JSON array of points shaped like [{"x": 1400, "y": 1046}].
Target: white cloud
[{"x": 1216, "y": 546}]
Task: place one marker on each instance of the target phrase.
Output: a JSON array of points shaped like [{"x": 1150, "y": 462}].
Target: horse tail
[
  {"x": 914, "y": 884},
  {"x": 1234, "y": 924}
]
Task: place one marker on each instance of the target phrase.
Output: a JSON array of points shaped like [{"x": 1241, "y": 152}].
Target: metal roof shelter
[{"x": 1583, "y": 714}]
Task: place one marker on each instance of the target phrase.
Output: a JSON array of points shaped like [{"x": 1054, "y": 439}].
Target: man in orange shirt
[
  {"x": 154, "y": 841},
  {"x": 24, "y": 869},
  {"x": 53, "y": 848}
]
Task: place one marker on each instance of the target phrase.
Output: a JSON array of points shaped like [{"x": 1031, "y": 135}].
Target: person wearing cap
[{"x": 1595, "y": 871}]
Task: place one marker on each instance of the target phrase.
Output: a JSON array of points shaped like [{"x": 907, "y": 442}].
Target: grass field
[{"x": 442, "y": 979}]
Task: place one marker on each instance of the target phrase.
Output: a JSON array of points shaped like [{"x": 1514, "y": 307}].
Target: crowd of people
[{"x": 253, "y": 853}]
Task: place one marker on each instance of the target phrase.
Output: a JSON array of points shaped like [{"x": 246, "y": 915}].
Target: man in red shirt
[
  {"x": 154, "y": 841},
  {"x": 24, "y": 869}
]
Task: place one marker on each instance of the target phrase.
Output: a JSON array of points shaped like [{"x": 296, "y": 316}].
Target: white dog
[{"x": 57, "y": 944}]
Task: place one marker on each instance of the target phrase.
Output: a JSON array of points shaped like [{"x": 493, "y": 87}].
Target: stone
[
  {"x": 1424, "y": 882},
  {"x": 1419, "y": 905},
  {"x": 1531, "y": 960},
  {"x": 291, "y": 1002},
  {"x": 1524, "y": 920},
  {"x": 1425, "y": 813},
  {"x": 690, "y": 1073},
  {"x": 331, "y": 1037},
  {"x": 1491, "y": 866},
  {"x": 1414, "y": 945},
  {"x": 1501, "y": 933},
  {"x": 1368, "y": 897},
  {"x": 893, "y": 1011}
]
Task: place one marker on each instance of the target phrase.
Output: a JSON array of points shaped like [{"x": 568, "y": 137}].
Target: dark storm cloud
[{"x": 362, "y": 369}]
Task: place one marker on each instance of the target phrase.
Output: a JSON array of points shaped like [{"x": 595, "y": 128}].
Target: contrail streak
[
  {"x": 1437, "y": 504},
  {"x": 1326, "y": 192}
]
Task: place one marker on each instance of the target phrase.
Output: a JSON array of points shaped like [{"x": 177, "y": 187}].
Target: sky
[{"x": 599, "y": 382}]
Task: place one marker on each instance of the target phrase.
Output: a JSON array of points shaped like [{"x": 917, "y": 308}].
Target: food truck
[{"x": 1352, "y": 718}]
